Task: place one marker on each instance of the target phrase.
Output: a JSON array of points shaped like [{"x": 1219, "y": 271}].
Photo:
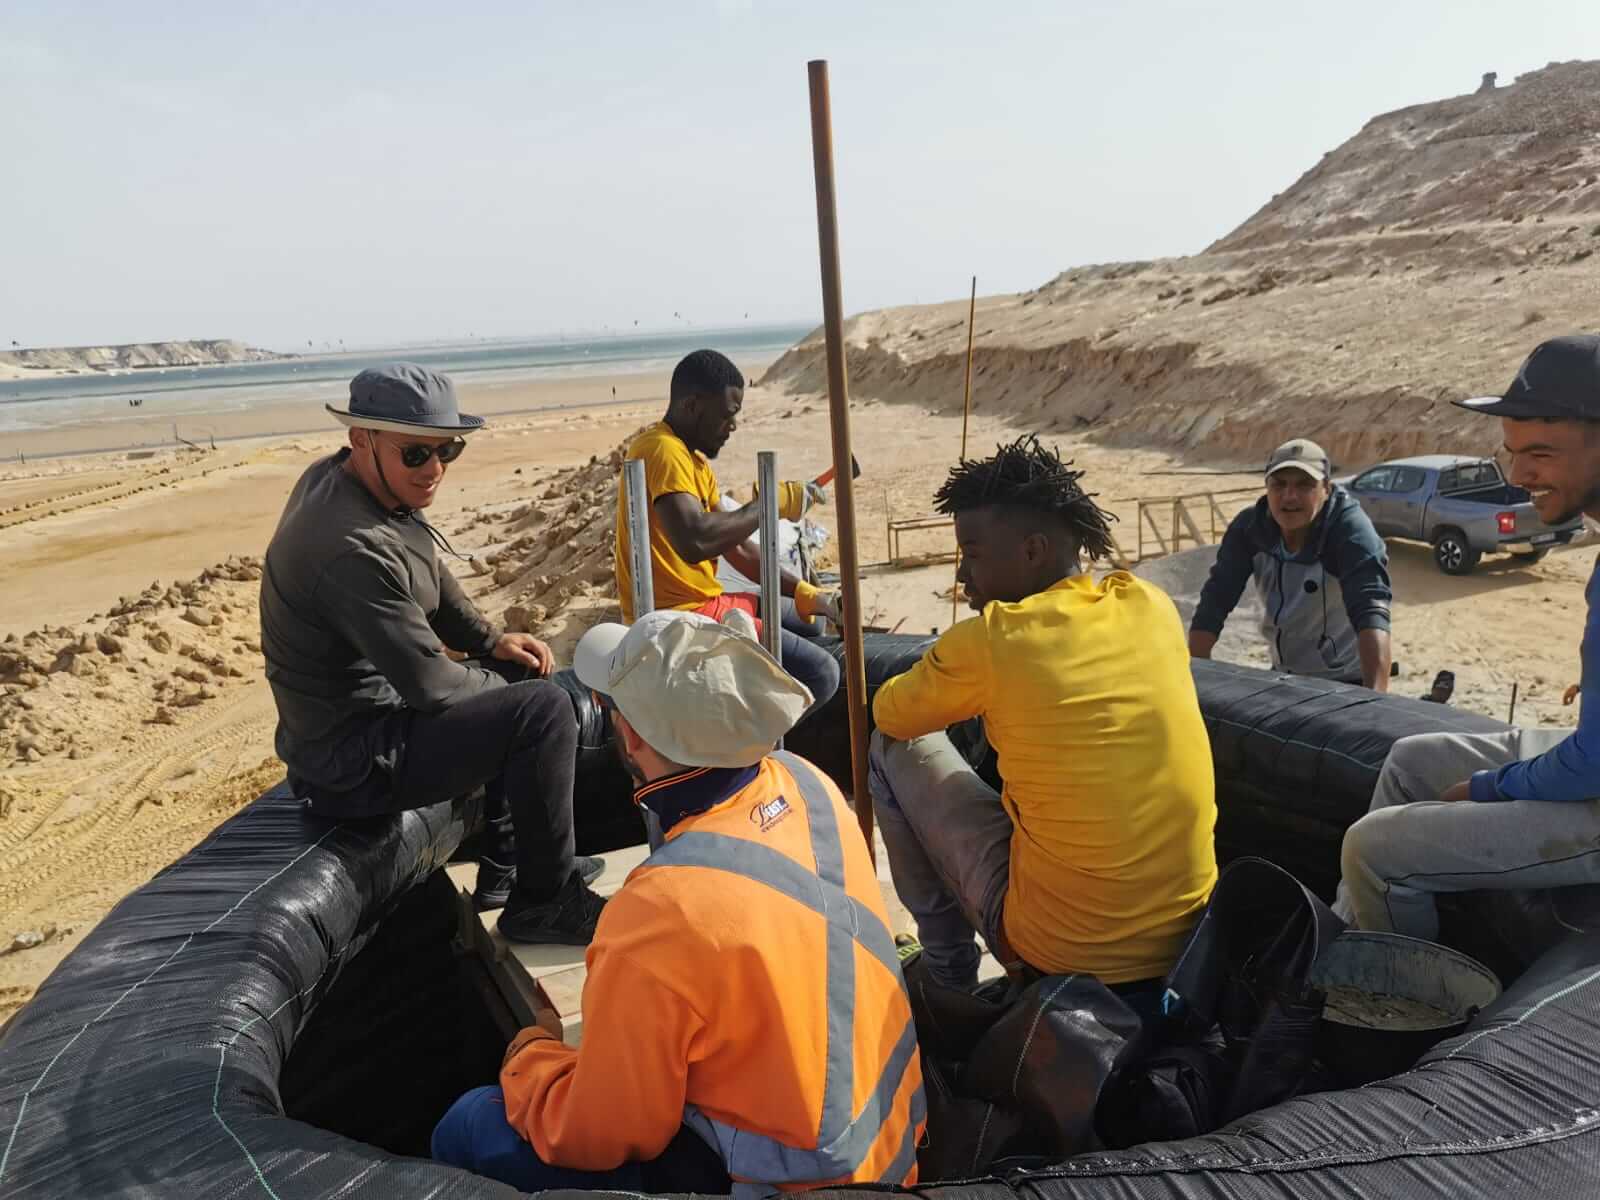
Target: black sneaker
[
  {"x": 566, "y": 919},
  {"x": 497, "y": 880}
]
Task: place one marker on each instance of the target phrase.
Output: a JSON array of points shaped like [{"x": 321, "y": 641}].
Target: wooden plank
[
  {"x": 1146, "y": 515},
  {"x": 1119, "y": 557},
  {"x": 1181, "y": 509}
]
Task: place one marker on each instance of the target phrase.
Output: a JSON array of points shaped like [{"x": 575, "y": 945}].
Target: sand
[{"x": 134, "y": 717}]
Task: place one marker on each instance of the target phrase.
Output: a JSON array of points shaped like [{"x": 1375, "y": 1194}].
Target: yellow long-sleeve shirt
[{"x": 1086, "y": 696}]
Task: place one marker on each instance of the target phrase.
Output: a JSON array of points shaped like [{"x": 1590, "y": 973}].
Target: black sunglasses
[{"x": 415, "y": 454}]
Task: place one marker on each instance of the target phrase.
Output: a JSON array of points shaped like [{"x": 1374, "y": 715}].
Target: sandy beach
[{"x": 134, "y": 716}]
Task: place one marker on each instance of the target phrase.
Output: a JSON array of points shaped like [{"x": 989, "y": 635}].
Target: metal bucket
[{"x": 1390, "y": 998}]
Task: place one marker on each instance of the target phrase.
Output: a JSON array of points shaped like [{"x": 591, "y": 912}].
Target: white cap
[{"x": 698, "y": 693}]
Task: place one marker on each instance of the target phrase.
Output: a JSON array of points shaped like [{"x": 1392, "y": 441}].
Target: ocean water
[{"x": 38, "y": 404}]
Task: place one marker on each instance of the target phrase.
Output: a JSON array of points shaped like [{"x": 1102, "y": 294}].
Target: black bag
[
  {"x": 1241, "y": 1013},
  {"x": 1016, "y": 1071}
]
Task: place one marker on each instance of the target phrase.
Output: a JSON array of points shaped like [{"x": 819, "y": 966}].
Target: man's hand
[
  {"x": 830, "y": 605},
  {"x": 1571, "y": 694},
  {"x": 547, "y": 1024},
  {"x": 795, "y": 496},
  {"x": 1456, "y": 792},
  {"x": 810, "y": 601},
  {"x": 526, "y": 649}
]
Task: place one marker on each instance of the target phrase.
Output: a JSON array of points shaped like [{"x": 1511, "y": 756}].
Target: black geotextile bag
[
  {"x": 1015, "y": 1072},
  {"x": 1241, "y": 1011}
]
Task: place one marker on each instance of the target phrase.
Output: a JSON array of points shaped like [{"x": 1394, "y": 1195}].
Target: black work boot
[
  {"x": 566, "y": 919},
  {"x": 496, "y": 881}
]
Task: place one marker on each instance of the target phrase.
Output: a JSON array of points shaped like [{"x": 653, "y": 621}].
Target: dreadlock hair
[
  {"x": 1030, "y": 476},
  {"x": 703, "y": 372}
]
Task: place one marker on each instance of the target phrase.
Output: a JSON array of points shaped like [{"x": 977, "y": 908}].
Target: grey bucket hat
[{"x": 405, "y": 398}]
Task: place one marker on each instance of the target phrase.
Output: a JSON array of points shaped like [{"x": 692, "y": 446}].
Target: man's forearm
[
  {"x": 718, "y": 534},
  {"x": 1201, "y": 643},
  {"x": 1373, "y": 646},
  {"x": 745, "y": 558}
]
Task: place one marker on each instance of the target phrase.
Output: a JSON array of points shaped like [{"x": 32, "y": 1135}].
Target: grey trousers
[
  {"x": 949, "y": 843},
  {"x": 1410, "y": 846}
]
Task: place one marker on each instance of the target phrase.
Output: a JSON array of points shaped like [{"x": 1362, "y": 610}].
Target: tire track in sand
[{"x": 89, "y": 854}]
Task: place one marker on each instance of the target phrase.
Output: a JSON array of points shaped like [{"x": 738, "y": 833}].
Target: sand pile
[
  {"x": 1182, "y": 575},
  {"x": 63, "y": 689},
  {"x": 123, "y": 740},
  {"x": 552, "y": 573}
]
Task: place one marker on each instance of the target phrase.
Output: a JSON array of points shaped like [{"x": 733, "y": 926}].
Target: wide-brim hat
[
  {"x": 698, "y": 692},
  {"x": 1559, "y": 381},
  {"x": 405, "y": 398}
]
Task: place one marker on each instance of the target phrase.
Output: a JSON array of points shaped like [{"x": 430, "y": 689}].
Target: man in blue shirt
[{"x": 1468, "y": 812}]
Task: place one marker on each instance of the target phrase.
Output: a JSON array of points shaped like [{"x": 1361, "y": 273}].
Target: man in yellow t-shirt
[
  {"x": 689, "y": 532},
  {"x": 1096, "y": 857}
]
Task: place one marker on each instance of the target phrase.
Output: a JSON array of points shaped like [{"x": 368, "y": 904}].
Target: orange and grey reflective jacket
[{"x": 742, "y": 982}]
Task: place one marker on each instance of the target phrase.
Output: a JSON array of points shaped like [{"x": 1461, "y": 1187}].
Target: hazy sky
[{"x": 377, "y": 173}]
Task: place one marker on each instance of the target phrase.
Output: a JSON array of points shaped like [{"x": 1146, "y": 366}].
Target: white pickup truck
[{"x": 1462, "y": 506}]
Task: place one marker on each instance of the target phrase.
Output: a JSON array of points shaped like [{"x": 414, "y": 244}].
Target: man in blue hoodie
[
  {"x": 1321, "y": 570},
  {"x": 1521, "y": 809}
]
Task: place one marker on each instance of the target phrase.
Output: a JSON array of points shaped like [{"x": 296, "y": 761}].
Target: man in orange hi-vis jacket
[{"x": 744, "y": 1009}]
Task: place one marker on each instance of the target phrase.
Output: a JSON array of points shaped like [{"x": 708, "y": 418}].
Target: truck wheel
[
  {"x": 1530, "y": 556},
  {"x": 1453, "y": 554}
]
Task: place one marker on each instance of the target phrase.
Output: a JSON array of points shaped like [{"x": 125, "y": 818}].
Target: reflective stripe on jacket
[{"x": 743, "y": 982}]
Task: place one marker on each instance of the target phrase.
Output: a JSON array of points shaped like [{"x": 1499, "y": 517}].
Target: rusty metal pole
[
  {"x": 855, "y": 676},
  {"x": 966, "y": 412}
]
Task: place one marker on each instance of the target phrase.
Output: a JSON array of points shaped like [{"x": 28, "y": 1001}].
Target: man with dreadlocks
[{"x": 1096, "y": 855}]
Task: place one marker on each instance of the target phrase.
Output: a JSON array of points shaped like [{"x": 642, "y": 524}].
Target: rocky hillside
[
  {"x": 204, "y": 353},
  {"x": 1415, "y": 264}
]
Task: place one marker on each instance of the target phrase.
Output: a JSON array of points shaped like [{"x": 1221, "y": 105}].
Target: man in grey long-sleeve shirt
[{"x": 373, "y": 715}]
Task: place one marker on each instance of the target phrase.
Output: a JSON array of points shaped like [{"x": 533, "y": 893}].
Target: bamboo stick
[{"x": 966, "y": 412}]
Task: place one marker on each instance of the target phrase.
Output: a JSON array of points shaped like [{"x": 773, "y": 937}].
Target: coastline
[{"x": 151, "y": 428}]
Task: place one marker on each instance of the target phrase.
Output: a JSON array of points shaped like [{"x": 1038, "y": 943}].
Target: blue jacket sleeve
[
  {"x": 1228, "y": 576},
  {"x": 1359, "y": 560},
  {"x": 1571, "y": 769}
]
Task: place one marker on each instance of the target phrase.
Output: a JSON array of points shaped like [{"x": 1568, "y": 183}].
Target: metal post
[
  {"x": 855, "y": 673},
  {"x": 639, "y": 565},
  {"x": 771, "y": 612}
]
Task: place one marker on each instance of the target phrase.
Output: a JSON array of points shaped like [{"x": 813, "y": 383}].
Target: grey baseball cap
[
  {"x": 405, "y": 397},
  {"x": 1303, "y": 455},
  {"x": 1560, "y": 380}
]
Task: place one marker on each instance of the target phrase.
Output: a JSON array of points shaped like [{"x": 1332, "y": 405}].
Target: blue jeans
[
  {"x": 475, "y": 1135},
  {"x": 812, "y": 666},
  {"x": 795, "y": 623}
]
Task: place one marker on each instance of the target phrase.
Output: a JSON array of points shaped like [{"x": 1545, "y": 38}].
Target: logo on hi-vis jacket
[{"x": 769, "y": 814}]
